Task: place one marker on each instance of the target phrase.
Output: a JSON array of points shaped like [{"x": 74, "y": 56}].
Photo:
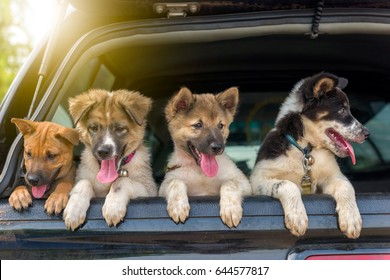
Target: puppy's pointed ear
[
  {"x": 69, "y": 134},
  {"x": 80, "y": 106},
  {"x": 136, "y": 106},
  {"x": 323, "y": 86},
  {"x": 25, "y": 127},
  {"x": 229, "y": 99},
  {"x": 181, "y": 102},
  {"x": 343, "y": 82}
]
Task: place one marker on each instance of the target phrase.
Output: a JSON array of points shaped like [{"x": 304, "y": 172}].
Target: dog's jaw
[
  {"x": 342, "y": 146},
  {"x": 207, "y": 163}
]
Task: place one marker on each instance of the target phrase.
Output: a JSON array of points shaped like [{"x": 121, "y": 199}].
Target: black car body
[{"x": 156, "y": 48}]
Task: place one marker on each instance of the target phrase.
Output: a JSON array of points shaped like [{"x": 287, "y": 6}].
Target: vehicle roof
[{"x": 147, "y": 8}]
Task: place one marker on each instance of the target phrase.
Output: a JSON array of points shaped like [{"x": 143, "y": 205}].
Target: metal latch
[{"x": 176, "y": 9}]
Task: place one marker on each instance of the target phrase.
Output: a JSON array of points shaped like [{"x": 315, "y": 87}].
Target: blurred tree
[{"x": 13, "y": 49}]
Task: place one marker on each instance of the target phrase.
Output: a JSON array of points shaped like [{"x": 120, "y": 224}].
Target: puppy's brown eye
[
  {"x": 198, "y": 125},
  {"x": 120, "y": 130},
  {"x": 93, "y": 128},
  {"x": 342, "y": 111},
  {"x": 29, "y": 155},
  {"x": 51, "y": 156},
  {"x": 221, "y": 125}
]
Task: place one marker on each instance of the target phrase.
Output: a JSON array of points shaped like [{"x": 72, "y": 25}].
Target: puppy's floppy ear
[
  {"x": 80, "y": 105},
  {"x": 69, "y": 134},
  {"x": 135, "y": 105},
  {"x": 181, "y": 102},
  {"x": 25, "y": 127},
  {"x": 229, "y": 99}
]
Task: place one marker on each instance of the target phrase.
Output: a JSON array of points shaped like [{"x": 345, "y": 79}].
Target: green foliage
[{"x": 12, "y": 51}]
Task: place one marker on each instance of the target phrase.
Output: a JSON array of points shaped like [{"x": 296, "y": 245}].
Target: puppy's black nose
[
  {"x": 104, "y": 151},
  {"x": 33, "y": 179},
  {"x": 366, "y": 133},
  {"x": 216, "y": 148}
]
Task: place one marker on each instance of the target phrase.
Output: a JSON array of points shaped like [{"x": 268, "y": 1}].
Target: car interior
[
  {"x": 264, "y": 71},
  {"x": 263, "y": 59}
]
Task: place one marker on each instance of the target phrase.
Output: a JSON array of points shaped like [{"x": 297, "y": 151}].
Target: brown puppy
[
  {"x": 48, "y": 158},
  {"x": 199, "y": 127},
  {"x": 115, "y": 163}
]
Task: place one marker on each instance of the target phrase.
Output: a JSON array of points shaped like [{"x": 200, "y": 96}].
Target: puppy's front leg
[
  {"x": 76, "y": 210},
  {"x": 121, "y": 191},
  {"x": 175, "y": 192},
  {"x": 20, "y": 198},
  {"x": 289, "y": 194},
  {"x": 58, "y": 200},
  {"x": 350, "y": 221},
  {"x": 230, "y": 204}
]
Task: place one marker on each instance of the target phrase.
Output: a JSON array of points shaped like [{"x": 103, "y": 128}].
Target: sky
[{"x": 39, "y": 18}]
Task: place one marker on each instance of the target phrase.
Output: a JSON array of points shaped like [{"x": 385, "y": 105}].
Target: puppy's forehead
[
  {"x": 39, "y": 145},
  {"x": 342, "y": 96},
  {"x": 106, "y": 113},
  {"x": 206, "y": 105}
]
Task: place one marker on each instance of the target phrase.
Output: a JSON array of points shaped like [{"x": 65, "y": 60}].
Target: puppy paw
[
  {"x": 296, "y": 220},
  {"x": 231, "y": 213},
  {"x": 350, "y": 222},
  {"x": 20, "y": 199},
  {"x": 55, "y": 203},
  {"x": 179, "y": 209},
  {"x": 75, "y": 213},
  {"x": 114, "y": 211}
]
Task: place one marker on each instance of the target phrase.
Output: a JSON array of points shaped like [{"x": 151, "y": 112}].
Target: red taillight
[{"x": 350, "y": 257}]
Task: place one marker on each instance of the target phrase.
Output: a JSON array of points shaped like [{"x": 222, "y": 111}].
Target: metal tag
[
  {"x": 306, "y": 184},
  {"x": 306, "y": 180}
]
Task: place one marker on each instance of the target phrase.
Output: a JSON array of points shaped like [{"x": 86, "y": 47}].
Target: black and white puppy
[{"x": 313, "y": 126}]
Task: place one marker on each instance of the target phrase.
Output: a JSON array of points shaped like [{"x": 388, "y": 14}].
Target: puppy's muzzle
[
  {"x": 34, "y": 179},
  {"x": 216, "y": 148},
  {"x": 104, "y": 152},
  {"x": 365, "y": 132}
]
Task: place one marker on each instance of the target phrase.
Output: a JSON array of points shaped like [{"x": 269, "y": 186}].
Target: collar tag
[
  {"x": 121, "y": 171},
  {"x": 308, "y": 160}
]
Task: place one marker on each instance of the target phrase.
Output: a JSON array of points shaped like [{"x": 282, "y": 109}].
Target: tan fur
[
  {"x": 102, "y": 107},
  {"x": 41, "y": 138},
  {"x": 186, "y": 177},
  {"x": 322, "y": 86}
]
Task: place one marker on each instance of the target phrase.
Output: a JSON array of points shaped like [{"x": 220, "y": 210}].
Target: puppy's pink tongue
[
  {"x": 39, "y": 191},
  {"x": 209, "y": 165},
  {"x": 107, "y": 172},
  {"x": 350, "y": 151}
]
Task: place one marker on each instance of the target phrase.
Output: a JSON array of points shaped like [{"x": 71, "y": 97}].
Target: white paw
[
  {"x": 350, "y": 221},
  {"x": 75, "y": 212},
  {"x": 231, "y": 212},
  {"x": 114, "y": 210},
  {"x": 296, "y": 220},
  {"x": 178, "y": 209}
]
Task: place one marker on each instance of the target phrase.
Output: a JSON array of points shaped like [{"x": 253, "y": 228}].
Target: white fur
[
  {"x": 188, "y": 180},
  {"x": 292, "y": 103},
  {"x": 139, "y": 183},
  {"x": 281, "y": 178}
]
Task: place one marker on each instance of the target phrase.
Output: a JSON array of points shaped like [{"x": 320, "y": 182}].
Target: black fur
[
  {"x": 329, "y": 99},
  {"x": 276, "y": 144}
]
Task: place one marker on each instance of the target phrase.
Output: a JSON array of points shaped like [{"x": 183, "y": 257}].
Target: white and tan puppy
[
  {"x": 115, "y": 164},
  {"x": 199, "y": 127}
]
